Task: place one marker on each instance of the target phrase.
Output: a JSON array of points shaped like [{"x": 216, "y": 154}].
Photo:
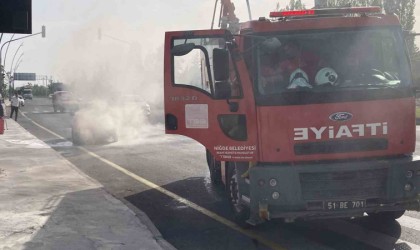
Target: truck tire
[
  {"x": 214, "y": 169},
  {"x": 387, "y": 216},
  {"x": 240, "y": 211}
]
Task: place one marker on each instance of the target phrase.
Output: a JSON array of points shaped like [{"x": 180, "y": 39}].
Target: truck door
[{"x": 208, "y": 93}]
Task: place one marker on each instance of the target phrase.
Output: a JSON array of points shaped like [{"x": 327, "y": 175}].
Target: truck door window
[
  {"x": 191, "y": 70},
  {"x": 195, "y": 69}
]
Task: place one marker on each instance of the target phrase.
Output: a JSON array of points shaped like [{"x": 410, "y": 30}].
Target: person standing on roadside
[
  {"x": 14, "y": 106},
  {"x": 2, "y": 113}
]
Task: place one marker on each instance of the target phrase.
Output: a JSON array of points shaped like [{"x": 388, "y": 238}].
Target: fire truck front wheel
[
  {"x": 388, "y": 215},
  {"x": 240, "y": 211}
]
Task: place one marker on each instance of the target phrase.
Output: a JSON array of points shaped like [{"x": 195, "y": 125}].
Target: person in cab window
[
  {"x": 2, "y": 110},
  {"x": 297, "y": 58}
]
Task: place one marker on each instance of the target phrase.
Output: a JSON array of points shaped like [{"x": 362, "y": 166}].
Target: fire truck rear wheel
[
  {"x": 214, "y": 169},
  {"x": 388, "y": 215},
  {"x": 240, "y": 211}
]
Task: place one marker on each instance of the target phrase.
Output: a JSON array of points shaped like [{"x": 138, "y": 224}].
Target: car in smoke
[
  {"x": 94, "y": 124},
  {"x": 64, "y": 101},
  {"x": 21, "y": 100},
  {"x": 102, "y": 122}
]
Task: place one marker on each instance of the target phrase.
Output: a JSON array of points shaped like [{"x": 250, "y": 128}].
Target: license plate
[{"x": 342, "y": 205}]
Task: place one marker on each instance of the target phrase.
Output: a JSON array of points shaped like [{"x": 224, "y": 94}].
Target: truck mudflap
[{"x": 333, "y": 190}]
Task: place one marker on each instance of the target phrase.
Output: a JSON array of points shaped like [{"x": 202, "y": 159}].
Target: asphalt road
[{"x": 201, "y": 221}]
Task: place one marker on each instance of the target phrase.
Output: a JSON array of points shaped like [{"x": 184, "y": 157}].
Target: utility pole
[
  {"x": 43, "y": 33},
  {"x": 14, "y": 56}
]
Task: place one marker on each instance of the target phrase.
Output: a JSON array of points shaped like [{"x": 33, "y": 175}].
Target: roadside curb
[
  {"x": 143, "y": 218},
  {"x": 150, "y": 225}
]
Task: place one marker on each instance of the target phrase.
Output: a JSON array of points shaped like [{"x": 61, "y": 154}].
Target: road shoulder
[{"x": 48, "y": 203}]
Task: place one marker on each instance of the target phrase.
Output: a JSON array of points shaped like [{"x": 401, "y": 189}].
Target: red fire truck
[{"x": 306, "y": 114}]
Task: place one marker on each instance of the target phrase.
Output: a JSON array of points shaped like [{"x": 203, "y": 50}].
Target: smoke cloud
[
  {"x": 117, "y": 50},
  {"x": 115, "y": 78}
]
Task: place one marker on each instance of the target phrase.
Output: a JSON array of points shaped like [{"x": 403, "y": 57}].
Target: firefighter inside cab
[
  {"x": 288, "y": 66},
  {"x": 299, "y": 62}
]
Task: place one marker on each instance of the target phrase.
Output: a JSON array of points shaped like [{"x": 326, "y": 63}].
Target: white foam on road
[
  {"x": 29, "y": 143},
  {"x": 409, "y": 222}
]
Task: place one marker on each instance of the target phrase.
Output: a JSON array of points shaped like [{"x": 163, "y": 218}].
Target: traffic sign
[{"x": 24, "y": 76}]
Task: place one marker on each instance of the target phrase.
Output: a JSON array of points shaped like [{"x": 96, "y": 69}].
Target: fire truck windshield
[{"x": 330, "y": 61}]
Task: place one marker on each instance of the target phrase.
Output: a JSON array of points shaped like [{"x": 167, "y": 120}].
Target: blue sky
[{"x": 73, "y": 24}]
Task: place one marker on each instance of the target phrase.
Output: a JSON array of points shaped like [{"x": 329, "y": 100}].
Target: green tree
[
  {"x": 348, "y": 3},
  {"x": 405, "y": 12},
  {"x": 38, "y": 90},
  {"x": 293, "y": 5},
  {"x": 404, "y": 9}
]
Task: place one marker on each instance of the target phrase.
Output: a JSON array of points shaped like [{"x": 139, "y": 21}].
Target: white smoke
[
  {"x": 115, "y": 48},
  {"x": 103, "y": 71}
]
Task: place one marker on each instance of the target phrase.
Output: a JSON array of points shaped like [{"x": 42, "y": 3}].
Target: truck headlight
[
  {"x": 408, "y": 187},
  {"x": 275, "y": 195}
]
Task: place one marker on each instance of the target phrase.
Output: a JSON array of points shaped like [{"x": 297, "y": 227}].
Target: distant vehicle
[
  {"x": 21, "y": 100},
  {"x": 27, "y": 94},
  {"x": 64, "y": 101}
]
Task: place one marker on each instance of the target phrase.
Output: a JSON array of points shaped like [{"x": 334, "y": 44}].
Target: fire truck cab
[{"x": 308, "y": 114}]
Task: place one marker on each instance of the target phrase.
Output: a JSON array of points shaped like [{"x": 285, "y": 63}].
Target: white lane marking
[
  {"x": 409, "y": 222},
  {"x": 366, "y": 236},
  {"x": 44, "y": 128}
]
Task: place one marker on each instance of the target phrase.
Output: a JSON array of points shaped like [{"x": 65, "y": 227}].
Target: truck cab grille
[
  {"x": 343, "y": 146},
  {"x": 341, "y": 185}
]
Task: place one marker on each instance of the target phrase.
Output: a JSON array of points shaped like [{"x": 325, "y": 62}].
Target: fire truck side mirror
[
  {"x": 182, "y": 49},
  {"x": 416, "y": 82},
  {"x": 220, "y": 65},
  {"x": 222, "y": 90},
  {"x": 410, "y": 34}
]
